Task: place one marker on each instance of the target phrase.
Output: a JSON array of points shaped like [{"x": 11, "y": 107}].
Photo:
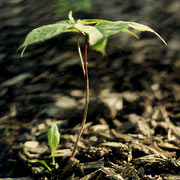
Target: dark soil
[{"x": 133, "y": 126}]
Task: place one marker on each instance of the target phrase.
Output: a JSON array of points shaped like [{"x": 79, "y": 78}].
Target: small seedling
[
  {"x": 53, "y": 140},
  {"x": 96, "y": 33}
]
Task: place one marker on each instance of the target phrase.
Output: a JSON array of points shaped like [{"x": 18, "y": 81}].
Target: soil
[{"x": 133, "y": 126}]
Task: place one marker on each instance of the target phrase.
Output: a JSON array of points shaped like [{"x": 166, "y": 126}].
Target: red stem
[{"x": 86, "y": 79}]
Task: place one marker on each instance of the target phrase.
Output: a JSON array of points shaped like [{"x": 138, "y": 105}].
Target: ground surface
[{"x": 133, "y": 127}]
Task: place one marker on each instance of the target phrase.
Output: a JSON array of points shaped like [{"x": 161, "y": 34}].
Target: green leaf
[
  {"x": 53, "y": 139},
  {"x": 100, "y": 46},
  {"x": 111, "y": 28},
  {"x": 45, "y": 164},
  {"x": 71, "y": 17},
  {"x": 107, "y": 28},
  {"x": 141, "y": 27},
  {"x": 94, "y": 34},
  {"x": 45, "y": 32},
  {"x": 42, "y": 162}
]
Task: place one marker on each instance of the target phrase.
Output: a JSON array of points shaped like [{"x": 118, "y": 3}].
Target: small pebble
[{"x": 31, "y": 144}]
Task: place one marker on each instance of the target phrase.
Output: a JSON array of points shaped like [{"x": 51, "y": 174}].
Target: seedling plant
[
  {"x": 53, "y": 140},
  {"x": 96, "y": 33},
  {"x": 53, "y": 136}
]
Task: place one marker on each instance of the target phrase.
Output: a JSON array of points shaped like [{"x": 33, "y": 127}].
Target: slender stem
[
  {"x": 80, "y": 55},
  {"x": 86, "y": 79},
  {"x": 53, "y": 160}
]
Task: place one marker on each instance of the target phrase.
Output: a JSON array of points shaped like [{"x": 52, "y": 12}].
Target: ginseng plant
[{"x": 96, "y": 33}]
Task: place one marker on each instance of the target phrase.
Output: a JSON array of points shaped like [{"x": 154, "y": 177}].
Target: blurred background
[
  {"x": 55, "y": 65},
  {"x": 50, "y": 73}
]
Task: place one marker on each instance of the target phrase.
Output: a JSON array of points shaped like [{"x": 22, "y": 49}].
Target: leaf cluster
[{"x": 98, "y": 31}]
